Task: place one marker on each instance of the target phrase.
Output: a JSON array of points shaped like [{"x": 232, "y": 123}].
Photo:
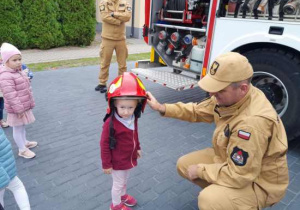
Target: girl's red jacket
[{"x": 124, "y": 156}]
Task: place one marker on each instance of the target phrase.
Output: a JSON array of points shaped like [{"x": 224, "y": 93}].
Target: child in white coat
[{"x": 8, "y": 175}]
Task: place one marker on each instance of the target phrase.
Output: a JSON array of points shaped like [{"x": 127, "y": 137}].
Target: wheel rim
[{"x": 274, "y": 89}]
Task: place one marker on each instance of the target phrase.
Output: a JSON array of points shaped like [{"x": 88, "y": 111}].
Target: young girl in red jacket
[
  {"x": 120, "y": 146},
  {"x": 18, "y": 99}
]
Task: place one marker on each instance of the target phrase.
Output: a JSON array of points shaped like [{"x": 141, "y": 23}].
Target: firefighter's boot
[{"x": 101, "y": 88}]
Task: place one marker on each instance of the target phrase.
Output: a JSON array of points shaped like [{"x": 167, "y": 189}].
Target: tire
[
  {"x": 177, "y": 71},
  {"x": 277, "y": 74}
]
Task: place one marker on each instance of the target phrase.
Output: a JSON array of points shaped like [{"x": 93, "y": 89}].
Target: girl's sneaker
[
  {"x": 27, "y": 154},
  {"x": 128, "y": 200},
  {"x": 121, "y": 206},
  {"x": 31, "y": 144},
  {"x": 3, "y": 124}
]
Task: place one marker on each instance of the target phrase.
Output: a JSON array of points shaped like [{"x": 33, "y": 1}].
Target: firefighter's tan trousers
[
  {"x": 107, "y": 48},
  {"x": 216, "y": 197}
]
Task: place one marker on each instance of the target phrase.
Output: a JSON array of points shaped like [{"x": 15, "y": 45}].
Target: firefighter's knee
[
  {"x": 206, "y": 199},
  {"x": 181, "y": 166},
  {"x": 212, "y": 198}
]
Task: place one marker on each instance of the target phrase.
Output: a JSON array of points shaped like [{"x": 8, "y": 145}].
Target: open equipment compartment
[{"x": 178, "y": 28}]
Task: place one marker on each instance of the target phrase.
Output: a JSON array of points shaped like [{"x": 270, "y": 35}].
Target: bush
[
  {"x": 11, "y": 21},
  {"x": 41, "y": 23},
  {"x": 78, "y": 21}
]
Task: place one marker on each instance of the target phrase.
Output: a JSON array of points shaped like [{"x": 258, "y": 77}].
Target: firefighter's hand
[
  {"x": 154, "y": 104},
  {"x": 192, "y": 172},
  {"x": 139, "y": 153},
  {"x": 107, "y": 171}
]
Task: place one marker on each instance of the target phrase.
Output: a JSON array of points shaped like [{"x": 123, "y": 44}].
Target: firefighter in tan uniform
[
  {"x": 247, "y": 166},
  {"x": 114, "y": 14}
]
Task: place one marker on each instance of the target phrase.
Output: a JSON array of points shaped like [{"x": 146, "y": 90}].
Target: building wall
[{"x": 134, "y": 28}]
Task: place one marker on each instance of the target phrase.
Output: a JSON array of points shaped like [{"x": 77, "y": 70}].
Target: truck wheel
[
  {"x": 277, "y": 74},
  {"x": 177, "y": 71}
]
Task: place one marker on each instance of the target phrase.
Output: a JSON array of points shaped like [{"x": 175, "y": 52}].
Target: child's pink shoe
[
  {"x": 128, "y": 200},
  {"x": 121, "y": 206},
  {"x": 31, "y": 144}
]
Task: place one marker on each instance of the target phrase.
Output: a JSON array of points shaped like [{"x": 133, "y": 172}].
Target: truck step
[{"x": 167, "y": 78}]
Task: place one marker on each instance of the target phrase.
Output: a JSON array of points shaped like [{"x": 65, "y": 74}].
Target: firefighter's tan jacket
[
  {"x": 114, "y": 27},
  {"x": 249, "y": 141}
]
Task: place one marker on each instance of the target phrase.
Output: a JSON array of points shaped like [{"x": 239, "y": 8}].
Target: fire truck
[{"x": 187, "y": 35}]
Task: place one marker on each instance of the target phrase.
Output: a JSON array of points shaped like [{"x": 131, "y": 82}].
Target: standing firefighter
[
  {"x": 247, "y": 166},
  {"x": 114, "y": 14}
]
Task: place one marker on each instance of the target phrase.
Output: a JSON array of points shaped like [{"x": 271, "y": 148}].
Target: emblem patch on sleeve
[
  {"x": 244, "y": 135},
  {"x": 239, "y": 156}
]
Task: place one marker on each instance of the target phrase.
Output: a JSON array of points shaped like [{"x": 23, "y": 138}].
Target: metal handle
[{"x": 276, "y": 30}]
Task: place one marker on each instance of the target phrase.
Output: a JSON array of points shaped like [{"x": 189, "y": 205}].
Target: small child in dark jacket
[
  {"x": 8, "y": 175},
  {"x": 120, "y": 146}
]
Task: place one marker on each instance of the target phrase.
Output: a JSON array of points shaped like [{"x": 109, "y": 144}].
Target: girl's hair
[{"x": 137, "y": 114}]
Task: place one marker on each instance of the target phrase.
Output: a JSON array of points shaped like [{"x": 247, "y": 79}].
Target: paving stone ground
[{"x": 66, "y": 174}]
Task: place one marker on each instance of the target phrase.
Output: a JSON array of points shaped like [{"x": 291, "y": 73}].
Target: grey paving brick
[
  {"x": 63, "y": 179},
  {"x": 181, "y": 187},
  {"x": 295, "y": 204},
  {"x": 180, "y": 201},
  {"x": 39, "y": 190},
  {"x": 292, "y": 175},
  {"x": 55, "y": 167},
  {"x": 59, "y": 190},
  {"x": 146, "y": 197},
  {"x": 163, "y": 186},
  {"x": 146, "y": 185},
  {"x": 98, "y": 181},
  {"x": 105, "y": 196},
  {"x": 289, "y": 196},
  {"x": 75, "y": 192},
  {"x": 37, "y": 199},
  {"x": 167, "y": 206},
  {"x": 91, "y": 193},
  {"x": 295, "y": 168},
  {"x": 86, "y": 169},
  {"x": 294, "y": 185},
  {"x": 190, "y": 207},
  {"x": 133, "y": 182},
  {"x": 162, "y": 175},
  {"x": 82, "y": 179},
  {"x": 164, "y": 198},
  {"x": 8, "y": 202},
  {"x": 92, "y": 204}
]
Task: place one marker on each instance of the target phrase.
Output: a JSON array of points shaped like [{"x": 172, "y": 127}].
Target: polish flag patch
[{"x": 244, "y": 135}]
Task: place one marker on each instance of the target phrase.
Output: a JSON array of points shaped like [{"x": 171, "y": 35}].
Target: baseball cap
[{"x": 226, "y": 69}]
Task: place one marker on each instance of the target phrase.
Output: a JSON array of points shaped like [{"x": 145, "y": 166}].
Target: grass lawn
[{"x": 81, "y": 62}]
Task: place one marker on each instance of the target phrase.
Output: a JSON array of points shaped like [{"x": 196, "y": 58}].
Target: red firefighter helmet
[{"x": 127, "y": 86}]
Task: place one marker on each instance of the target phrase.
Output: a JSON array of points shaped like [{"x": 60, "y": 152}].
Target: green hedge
[
  {"x": 46, "y": 24},
  {"x": 41, "y": 24},
  {"x": 78, "y": 21},
  {"x": 11, "y": 21}
]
